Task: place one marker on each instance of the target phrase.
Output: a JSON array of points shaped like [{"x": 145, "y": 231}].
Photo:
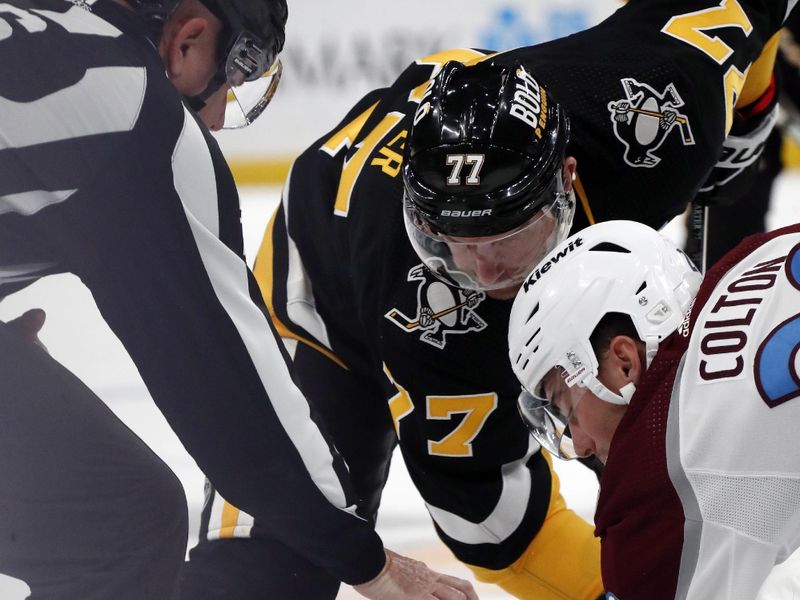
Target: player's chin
[{"x": 506, "y": 293}]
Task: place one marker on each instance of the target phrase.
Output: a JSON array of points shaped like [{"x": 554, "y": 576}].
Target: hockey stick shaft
[
  {"x": 697, "y": 230},
  {"x": 412, "y": 325},
  {"x": 687, "y": 138},
  {"x": 657, "y": 115}
]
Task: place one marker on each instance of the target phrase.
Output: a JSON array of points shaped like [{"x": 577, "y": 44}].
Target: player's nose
[
  {"x": 583, "y": 444},
  {"x": 488, "y": 266}
]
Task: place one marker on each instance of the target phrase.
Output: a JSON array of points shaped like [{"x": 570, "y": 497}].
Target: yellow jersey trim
[{"x": 264, "y": 276}]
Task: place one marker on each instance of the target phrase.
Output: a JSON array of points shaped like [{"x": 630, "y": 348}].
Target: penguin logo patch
[
  {"x": 442, "y": 309},
  {"x": 644, "y": 119}
]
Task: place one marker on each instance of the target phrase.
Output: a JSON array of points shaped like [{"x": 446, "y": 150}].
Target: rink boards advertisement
[{"x": 337, "y": 51}]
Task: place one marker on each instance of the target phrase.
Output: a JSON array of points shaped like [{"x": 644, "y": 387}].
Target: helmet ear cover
[{"x": 250, "y": 42}]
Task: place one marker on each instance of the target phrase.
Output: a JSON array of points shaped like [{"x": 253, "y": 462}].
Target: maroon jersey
[{"x": 697, "y": 499}]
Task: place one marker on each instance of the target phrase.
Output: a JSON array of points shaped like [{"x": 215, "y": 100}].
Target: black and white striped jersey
[{"x": 105, "y": 174}]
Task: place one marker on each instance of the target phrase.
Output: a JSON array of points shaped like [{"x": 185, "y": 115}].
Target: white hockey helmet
[{"x": 613, "y": 267}]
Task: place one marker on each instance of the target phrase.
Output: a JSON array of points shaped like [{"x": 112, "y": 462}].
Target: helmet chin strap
[
  {"x": 595, "y": 386},
  {"x": 650, "y": 349},
  {"x": 626, "y": 391}
]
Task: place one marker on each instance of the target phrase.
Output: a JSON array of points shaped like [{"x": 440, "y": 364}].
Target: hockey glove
[{"x": 734, "y": 174}]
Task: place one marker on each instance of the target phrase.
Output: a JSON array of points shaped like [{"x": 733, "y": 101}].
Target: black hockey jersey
[
  {"x": 650, "y": 95},
  {"x": 105, "y": 174}
]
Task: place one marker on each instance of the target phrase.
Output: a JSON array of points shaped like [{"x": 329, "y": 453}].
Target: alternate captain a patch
[
  {"x": 644, "y": 118},
  {"x": 442, "y": 309}
]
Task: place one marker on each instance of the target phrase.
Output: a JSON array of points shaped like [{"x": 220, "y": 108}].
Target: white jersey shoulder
[{"x": 738, "y": 426}]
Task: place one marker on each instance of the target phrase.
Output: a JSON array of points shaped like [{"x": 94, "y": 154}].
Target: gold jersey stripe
[
  {"x": 463, "y": 55},
  {"x": 261, "y": 171},
  {"x": 345, "y": 136},
  {"x": 229, "y": 520},
  {"x": 265, "y": 277},
  {"x": 400, "y": 404},
  {"x": 546, "y": 575},
  {"x": 466, "y": 56},
  {"x": 759, "y": 76},
  {"x": 352, "y": 169},
  {"x": 790, "y": 153}
]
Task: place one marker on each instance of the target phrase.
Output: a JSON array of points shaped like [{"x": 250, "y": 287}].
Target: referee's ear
[{"x": 188, "y": 48}]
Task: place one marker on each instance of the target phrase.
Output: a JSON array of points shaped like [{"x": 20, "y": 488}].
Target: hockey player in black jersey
[
  {"x": 403, "y": 233},
  {"x": 106, "y": 173}
]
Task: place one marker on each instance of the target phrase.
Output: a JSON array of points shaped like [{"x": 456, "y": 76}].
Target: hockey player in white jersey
[{"x": 688, "y": 393}]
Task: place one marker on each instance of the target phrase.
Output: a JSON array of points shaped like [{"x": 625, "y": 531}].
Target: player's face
[
  {"x": 504, "y": 258},
  {"x": 500, "y": 263},
  {"x": 592, "y": 421}
]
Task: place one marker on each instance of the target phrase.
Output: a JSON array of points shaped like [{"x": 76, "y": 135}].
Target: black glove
[{"x": 736, "y": 170}]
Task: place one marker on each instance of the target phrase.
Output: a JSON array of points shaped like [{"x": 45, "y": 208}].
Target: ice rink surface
[{"x": 77, "y": 337}]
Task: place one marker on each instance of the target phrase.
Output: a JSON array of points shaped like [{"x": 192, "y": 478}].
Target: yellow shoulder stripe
[
  {"x": 462, "y": 55},
  {"x": 230, "y": 519},
  {"x": 352, "y": 169},
  {"x": 345, "y": 136},
  {"x": 759, "y": 76},
  {"x": 264, "y": 276}
]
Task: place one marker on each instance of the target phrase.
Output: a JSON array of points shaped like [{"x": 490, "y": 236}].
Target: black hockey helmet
[
  {"x": 264, "y": 18},
  {"x": 253, "y": 34},
  {"x": 501, "y": 114},
  {"x": 154, "y": 13},
  {"x": 484, "y": 163}
]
